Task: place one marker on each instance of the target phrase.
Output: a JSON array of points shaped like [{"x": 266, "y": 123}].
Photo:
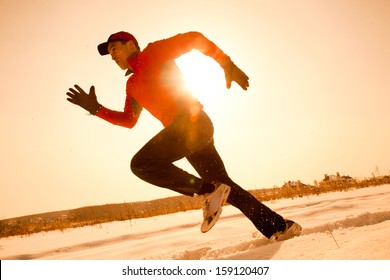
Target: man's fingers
[
  {"x": 241, "y": 78},
  {"x": 244, "y": 83},
  {"x": 79, "y": 89},
  {"x": 235, "y": 74},
  {"x": 228, "y": 82},
  {"x": 88, "y": 101},
  {"x": 74, "y": 96},
  {"x": 228, "y": 78},
  {"x": 92, "y": 91},
  {"x": 71, "y": 95},
  {"x": 71, "y": 100},
  {"x": 75, "y": 92}
]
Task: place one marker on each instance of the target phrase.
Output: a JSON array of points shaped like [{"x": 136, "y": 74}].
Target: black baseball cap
[{"x": 119, "y": 36}]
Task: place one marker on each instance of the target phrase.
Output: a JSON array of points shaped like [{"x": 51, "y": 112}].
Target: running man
[{"x": 156, "y": 85}]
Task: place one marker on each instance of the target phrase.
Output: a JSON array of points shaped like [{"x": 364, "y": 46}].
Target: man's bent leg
[{"x": 154, "y": 162}]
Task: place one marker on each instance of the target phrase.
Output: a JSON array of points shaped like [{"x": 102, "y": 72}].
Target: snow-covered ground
[{"x": 352, "y": 225}]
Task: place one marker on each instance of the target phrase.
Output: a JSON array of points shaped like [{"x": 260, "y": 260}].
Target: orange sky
[{"x": 318, "y": 100}]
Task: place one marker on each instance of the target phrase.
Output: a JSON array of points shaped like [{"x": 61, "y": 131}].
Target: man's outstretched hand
[
  {"x": 233, "y": 73},
  {"x": 87, "y": 101}
]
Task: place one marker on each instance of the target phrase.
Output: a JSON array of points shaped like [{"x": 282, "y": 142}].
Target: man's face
[{"x": 120, "y": 52}]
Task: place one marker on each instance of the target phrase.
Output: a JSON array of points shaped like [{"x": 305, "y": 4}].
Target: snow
[{"x": 351, "y": 225}]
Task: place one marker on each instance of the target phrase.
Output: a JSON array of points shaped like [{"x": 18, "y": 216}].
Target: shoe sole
[
  {"x": 215, "y": 217},
  {"x": 293, "y": 231}
]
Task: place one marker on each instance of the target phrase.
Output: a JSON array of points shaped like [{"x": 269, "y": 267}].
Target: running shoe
[
  {"x": 292, "y": 230},
  {"x": 212, "y": 206}
]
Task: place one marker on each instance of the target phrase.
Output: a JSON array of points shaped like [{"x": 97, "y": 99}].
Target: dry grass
[{"x": 127, "y": 211}]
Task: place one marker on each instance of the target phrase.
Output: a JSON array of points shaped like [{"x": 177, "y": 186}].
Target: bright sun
[{"x": 203, "y": 76}]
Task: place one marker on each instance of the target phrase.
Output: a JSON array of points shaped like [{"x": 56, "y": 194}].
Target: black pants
[{"x": 192, "y": 138}]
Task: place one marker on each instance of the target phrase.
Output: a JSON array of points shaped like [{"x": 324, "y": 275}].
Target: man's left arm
[{"x": 182, "y": 43}]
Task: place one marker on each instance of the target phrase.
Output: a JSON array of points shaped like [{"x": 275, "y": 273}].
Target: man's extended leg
[
  {"x": 210, "y": 167},
  {"x": 154, "y": 164}
]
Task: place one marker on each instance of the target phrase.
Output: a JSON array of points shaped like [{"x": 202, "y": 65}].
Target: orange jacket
[{"x": 157, "y": 84}]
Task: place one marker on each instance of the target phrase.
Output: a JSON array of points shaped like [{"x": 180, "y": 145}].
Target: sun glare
[{"x": 204, "y": 77}]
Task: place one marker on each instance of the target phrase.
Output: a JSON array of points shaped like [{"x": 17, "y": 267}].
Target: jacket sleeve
[
  {"x": 128, "y": 118},
  {"x": 183, "y": 43}
]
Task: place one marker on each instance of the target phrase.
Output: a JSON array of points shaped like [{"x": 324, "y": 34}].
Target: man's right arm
[{"x": 127, "y": 118}]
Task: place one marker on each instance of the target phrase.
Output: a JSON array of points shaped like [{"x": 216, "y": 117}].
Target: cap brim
[{"x": 103, "y": 48}]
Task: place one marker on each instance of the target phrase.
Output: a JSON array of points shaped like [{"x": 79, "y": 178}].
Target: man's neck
[{"x": 129, "y": 60}]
